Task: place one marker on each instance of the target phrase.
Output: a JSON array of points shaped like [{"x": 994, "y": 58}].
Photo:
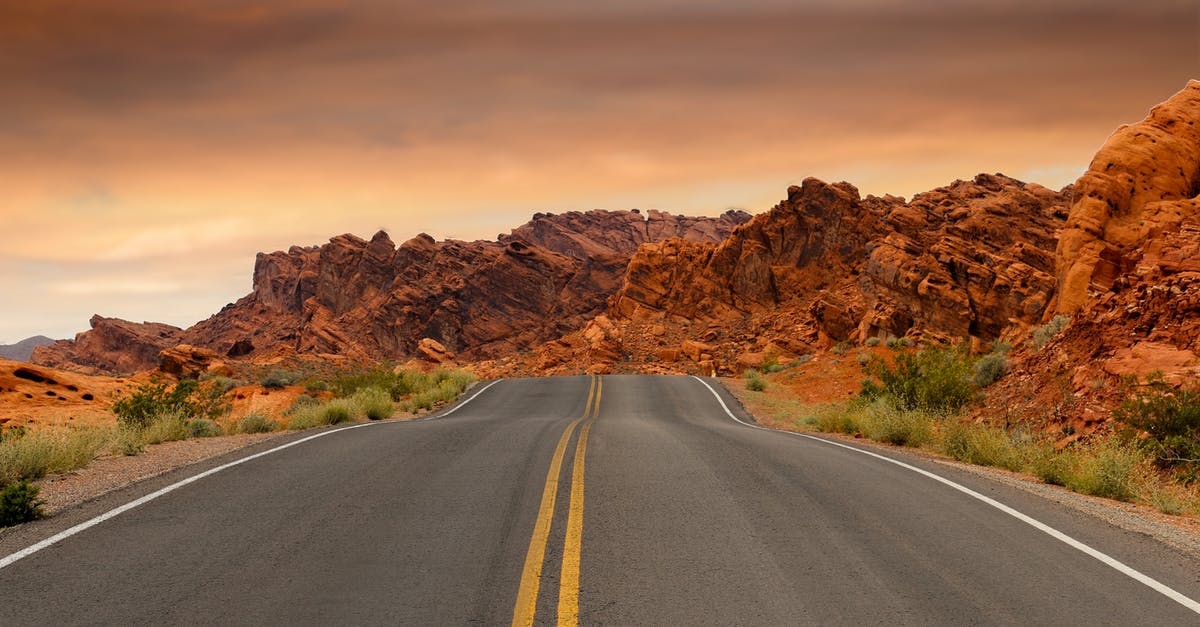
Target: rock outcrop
[
  {"x": 111, "y": 346},
  {"x": 1142, "y": 185},
  {"x": 369, "y": 299},
  {"x": 1128, "y": 275},
  {"x": 970, "y": 260}
]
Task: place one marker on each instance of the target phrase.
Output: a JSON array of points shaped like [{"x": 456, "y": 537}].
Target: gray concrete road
[{"x": 630, "y": 500}]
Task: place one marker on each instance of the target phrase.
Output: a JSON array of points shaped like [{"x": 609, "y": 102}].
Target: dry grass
[{"x": 1103, "y": 466}]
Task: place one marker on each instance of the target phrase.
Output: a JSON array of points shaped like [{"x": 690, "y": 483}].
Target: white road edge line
[
  {"x": 1116, "y": 564},
  {"x": 460, "y": 405},
  {"x": 87, "y": 524}
]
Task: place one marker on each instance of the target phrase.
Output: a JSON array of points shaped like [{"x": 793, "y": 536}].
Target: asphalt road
[{"x": 621, "y": 500}]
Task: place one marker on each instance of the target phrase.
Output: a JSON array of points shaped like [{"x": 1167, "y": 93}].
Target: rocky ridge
[
  {"x": 972, "y": 260},
  {"x": 371, "y": 299}
]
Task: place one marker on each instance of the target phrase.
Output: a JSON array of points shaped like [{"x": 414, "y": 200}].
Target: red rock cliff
[{"x": 374, "y": 300}]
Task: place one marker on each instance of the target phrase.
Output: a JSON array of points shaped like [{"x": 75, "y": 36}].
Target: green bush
[
  {"x": 203, "y": 428},
  {"x": 755, "y": 381},
  {"x": 41, "y": 452},
  {"x": 167, "y": 428},
  {"x": 989, "y": 369},
  {"x": 1108, "y": 469},
  {"x": 221, "y": 384},
  {"x": 375, "y": 404},
  {"x": 151, "y": 400},
  {"x": 1043, "y": 334},
  {"x": 339, "y": 411},
  {"x": 884, "y": 423},
  {"x": 837, "y": 419},
  {"x": 256, "y": 423},
  {"x": 1055, "y": 467},
  {"x": 979, "y": 444},
  {"x": 873, "y": 341},
  {"x": 279, "y": 378},
  {"x": 1171, "y": 418},
  {"x": 19, "y": 503},
  {"x": 933, "y": 379},
  {"x": 316, "y": 385}
]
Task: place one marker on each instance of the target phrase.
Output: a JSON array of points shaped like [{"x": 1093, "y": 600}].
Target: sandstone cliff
[
  {"x": 970, "y": 260},
  {"x": 111, "y": 346},
  {"x": 1142, "y": 185},
  {"x": 1128, "y": 274},
  {"x": 370, "y": 299}
]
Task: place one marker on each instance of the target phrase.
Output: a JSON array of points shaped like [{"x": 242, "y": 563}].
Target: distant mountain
[{"x": 23, "y": 350}]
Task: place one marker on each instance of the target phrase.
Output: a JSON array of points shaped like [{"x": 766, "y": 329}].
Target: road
[{"x": 618, "y": 500}]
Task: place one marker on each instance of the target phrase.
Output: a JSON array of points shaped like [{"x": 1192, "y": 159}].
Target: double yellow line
[{"x": 531, "y": 575}]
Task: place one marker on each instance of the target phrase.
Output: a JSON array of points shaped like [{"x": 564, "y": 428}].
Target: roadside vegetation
[
  {"x": 159, "y": 412},
  {"x": 919, "y": 399}
]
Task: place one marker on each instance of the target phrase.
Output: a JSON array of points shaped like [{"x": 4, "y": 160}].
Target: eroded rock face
[
  {"x": 968, "y": 259},
  {"x": 594, "y": 233},
  {"x": 1142, "y": 184},
  {"x": 189, "y": 362},
  {"x": 112, "y": 345},
  {"x": 371, "y": 299}
]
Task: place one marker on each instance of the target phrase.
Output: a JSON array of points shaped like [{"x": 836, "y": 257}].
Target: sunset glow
[{"x": 152, "y": 149}]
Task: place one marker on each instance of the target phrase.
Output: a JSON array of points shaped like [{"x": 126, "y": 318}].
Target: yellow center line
[
  {"x": 531, "y": 574},
  {"x": 568, "y": 586}
]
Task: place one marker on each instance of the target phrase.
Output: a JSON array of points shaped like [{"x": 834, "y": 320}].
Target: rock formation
[
  {"x": 1128, "y": 274},
  {"x": 1143, "y": 184},
  {"x": 969, "y": 260},
  {"x": 369, "y": 299},
  {"x": 112, "y": 346}
]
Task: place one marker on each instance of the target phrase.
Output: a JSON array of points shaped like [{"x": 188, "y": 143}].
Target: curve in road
[{"x": 688, "y": 518}]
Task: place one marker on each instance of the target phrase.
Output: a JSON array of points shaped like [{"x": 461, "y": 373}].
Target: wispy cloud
[{"x": 177, "y": 135}]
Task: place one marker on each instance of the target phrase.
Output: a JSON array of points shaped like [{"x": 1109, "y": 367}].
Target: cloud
[{"x": 194, "y": 133}]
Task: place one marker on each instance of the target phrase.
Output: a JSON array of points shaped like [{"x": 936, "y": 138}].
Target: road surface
[{"x": 615, "y": 500}]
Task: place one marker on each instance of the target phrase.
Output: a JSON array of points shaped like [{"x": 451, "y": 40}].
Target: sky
[{"x": 148, "y": 149}]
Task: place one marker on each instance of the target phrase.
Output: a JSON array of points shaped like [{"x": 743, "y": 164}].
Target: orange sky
[{"x": 151, "y": 149}]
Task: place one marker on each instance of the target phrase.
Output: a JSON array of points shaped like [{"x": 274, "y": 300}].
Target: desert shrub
[
  {"x": 882, "y": 422},
  {"x": 374, "y": 403},
  {"x": 221, "y": 384},
  {"x": 19, "y": 503},
  {"x": 151, "y": 400},
  {"x": 837, "y": 419},
  {"x": 755, "y": 381},
  {"x": 203, "y": 428},
  {"x": 839, "y": 349},
  {"x": 1108, "y": 469},
  {"x": 167, "y": 428},
  {"x": 989, "y": 369},
  {"x": 863, "y": 357},
  {"x": 1043, "y": 334},
  {"x": 873, "y": 341},
  {"x": 1054, "y": 467},
  {"x": 53, "y": 450},
  {"x": 129, "y": 442},
  {"x": 305, "y": 417},
  {"x": 256, "y": 423},
  {"x": 279, "y": 378},
  {"x": 339, "y": 411},
  {"x": 314, "y": 386},
  {"x": 979, "y": 444},
  {"x": 13, "y": 434},
  {"x": 934, "y": 379},
  {"x": 1172, "y": 420}
]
